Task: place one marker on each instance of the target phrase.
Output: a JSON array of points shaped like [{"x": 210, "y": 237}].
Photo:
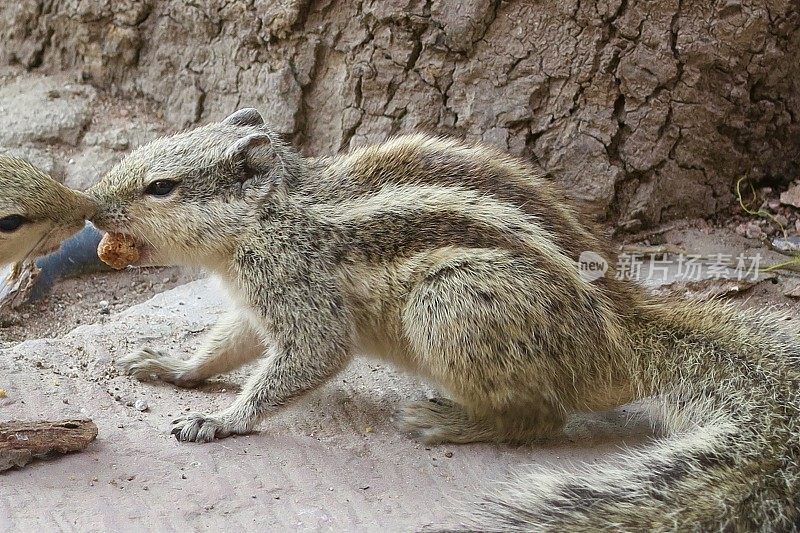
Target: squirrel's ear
[
  {"x": 245, "y": 117},
  {"x": 252, "y": 156}
]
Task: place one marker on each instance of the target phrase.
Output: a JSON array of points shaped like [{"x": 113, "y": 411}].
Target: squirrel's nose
[
  {"x": 107, "y": 219},
  {"x": 88, "y": 208},
  {"x": 97, "y": 219},
  {"x": 97, "y": 210}
]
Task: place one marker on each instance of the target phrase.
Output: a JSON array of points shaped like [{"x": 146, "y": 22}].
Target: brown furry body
[
  {"x": 36, "y": 212},
  {"x": 457, "y": 263}
]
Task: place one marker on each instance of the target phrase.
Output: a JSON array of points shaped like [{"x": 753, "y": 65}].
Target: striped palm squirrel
[
  {"x": 36, "y": 212},
  {"x": 458, "y": 263}
]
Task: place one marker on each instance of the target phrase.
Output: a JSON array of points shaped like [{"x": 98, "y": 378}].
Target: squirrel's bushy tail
[{"x": 730, "y": 459}]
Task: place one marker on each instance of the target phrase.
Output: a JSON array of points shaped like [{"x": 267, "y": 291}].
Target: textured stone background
[{"x": 647, "y": 110}]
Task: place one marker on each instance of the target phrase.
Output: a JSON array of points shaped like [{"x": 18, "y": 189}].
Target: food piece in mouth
[{"x": 118, "y": 250}]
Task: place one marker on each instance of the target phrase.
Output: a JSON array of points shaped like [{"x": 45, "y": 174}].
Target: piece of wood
[
  {"x": 21, "y": 442},
  {"x": 16, "y": 285}
]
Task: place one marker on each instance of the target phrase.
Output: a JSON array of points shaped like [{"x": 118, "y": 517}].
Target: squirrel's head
[
  {"x": 187, "y": 197},
  {"x": 36, "y": 212}
]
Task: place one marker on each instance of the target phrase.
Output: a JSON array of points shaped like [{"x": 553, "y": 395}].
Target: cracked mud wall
[{"x": 646, "y": 110}]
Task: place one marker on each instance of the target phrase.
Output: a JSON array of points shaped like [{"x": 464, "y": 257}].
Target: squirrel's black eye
[
  {"x": 11, "y": 223},
  {"x": 161, "y": 187}
]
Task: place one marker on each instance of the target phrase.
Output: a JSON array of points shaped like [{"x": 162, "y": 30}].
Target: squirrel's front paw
[
  {"x": 196, "y": 427},
  {"x": 144, "y": 365},
  {"x": 149, "y": 364}
]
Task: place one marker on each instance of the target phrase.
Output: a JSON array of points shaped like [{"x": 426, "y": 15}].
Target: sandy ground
[{"x": 334, "y": 462}]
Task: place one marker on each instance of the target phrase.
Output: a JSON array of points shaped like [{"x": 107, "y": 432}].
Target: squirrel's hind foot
[{"x": 439, "y": 420}]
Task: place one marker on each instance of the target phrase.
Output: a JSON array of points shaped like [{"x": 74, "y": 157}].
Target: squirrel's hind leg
[{"x": 479, "y": 327}]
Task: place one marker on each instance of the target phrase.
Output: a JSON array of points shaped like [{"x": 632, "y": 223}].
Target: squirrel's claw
[{"x": 202, "y": 428}]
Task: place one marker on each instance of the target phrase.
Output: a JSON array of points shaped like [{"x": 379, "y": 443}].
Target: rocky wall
[{"x": 645, "y": 110}]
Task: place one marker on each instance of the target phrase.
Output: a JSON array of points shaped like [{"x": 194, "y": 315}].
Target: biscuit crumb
[{"x": 118, "y": 250}]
